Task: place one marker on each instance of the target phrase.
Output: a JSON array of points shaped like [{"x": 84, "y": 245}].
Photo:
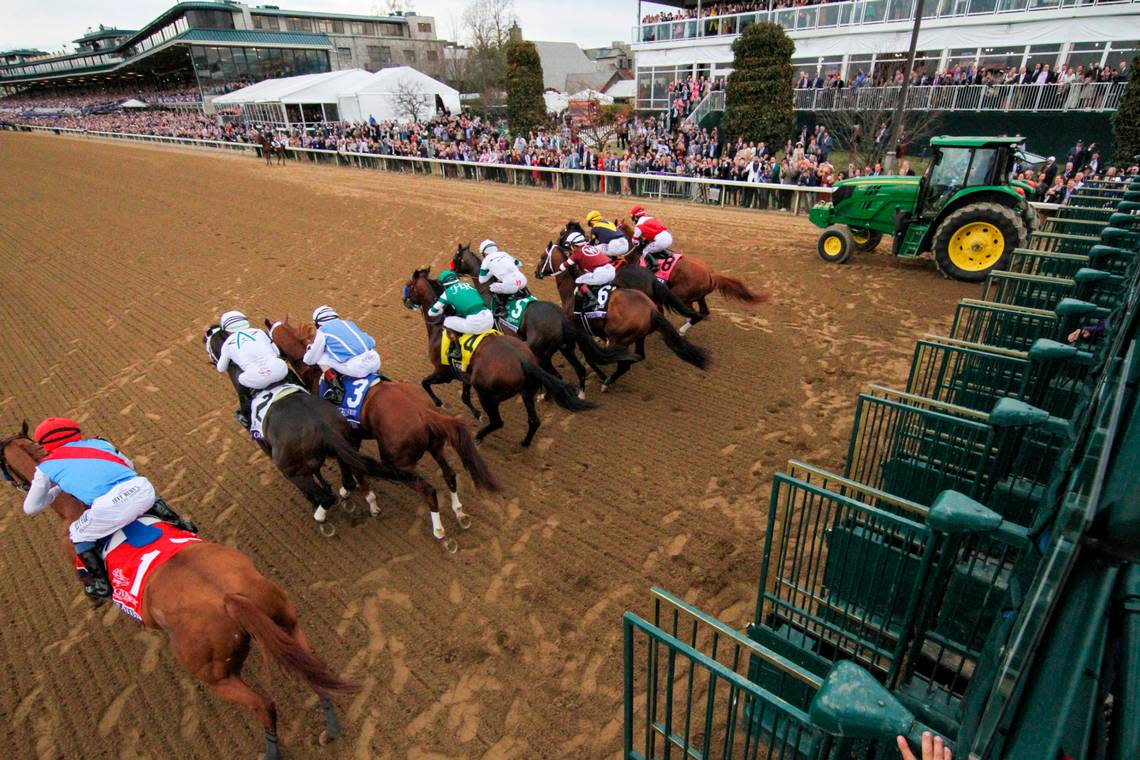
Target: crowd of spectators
[
  {"x": 714, "y": 9},
  {"x": 685, "y": 94},
  {"x": 104, "y": 96},
  {"x": 1056, "y": 183},
  {"x": 1064, "y": 75}
]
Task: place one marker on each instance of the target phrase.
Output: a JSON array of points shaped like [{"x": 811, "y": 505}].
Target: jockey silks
[
  {"x": 604, "y": 232},
  {"x": 86, "y": 469},
  {"x": 344, "y": 340}
]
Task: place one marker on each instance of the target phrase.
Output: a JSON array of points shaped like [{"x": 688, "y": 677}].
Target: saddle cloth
[
  {"x": 133, "y": 552},
  {"x": 468, "y": 344},
  {"x": 516, "y": 308},
  {"x": 355, "y": 391},
  {"x": 594, "y": 305},
  {"x": 665, "y": 266},
  {"x": 263, "y": 401}
]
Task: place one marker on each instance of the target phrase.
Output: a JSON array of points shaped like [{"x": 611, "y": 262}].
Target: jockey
[
  {"x": 471, "y": 315},
  {"x": 651, "y": 232},
  {"x": 597, "y": 269},
  {"x": 100, "y": 476},
  {"x": 340, "y": 348},
  {"x": 502, "y": 270},
  {"x": 606, "y": 237},
  {"x": 255, "y": 355}
]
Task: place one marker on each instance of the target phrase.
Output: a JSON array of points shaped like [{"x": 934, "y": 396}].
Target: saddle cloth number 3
[{"x": 360, "y": 387}]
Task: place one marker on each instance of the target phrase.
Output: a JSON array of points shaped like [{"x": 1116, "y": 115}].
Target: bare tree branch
[{"x": 411, "y": 100}]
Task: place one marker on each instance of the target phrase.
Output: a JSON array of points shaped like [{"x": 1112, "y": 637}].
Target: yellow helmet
[{"x": 593, "y": 217}]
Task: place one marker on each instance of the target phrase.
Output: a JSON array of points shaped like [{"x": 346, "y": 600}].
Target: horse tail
[
  {"x": 563, "y": 393},
  {"x": 590, "y": 349},
  {"x": 460, "y": 438},
  {"x": 667, "y": 298},
  {"x": 339, "y": 447},
  {"x": 730, "y": 287},
  {"x": 685, "y": 351},
  {"x": 284, "y": 648}
]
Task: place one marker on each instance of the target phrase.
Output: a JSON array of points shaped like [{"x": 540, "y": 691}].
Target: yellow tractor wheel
[
  {"x": 865, "y": 240},
  {"x": 835, "y": 244},
  {"x": 974, "y": 239}
]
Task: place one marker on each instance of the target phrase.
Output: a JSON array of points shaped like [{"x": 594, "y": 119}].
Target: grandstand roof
[
  {"x": 100, "y": 34},
  {"x": 329, "y": 14}
]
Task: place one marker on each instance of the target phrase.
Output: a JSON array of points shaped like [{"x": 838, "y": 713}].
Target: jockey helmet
[
  {"x": 487, "y": 246},
  {"x": 448, "y": 277},
  {"x": 575, "y": 238},
  {"x": 637, "y": 211},
  {"x": 323, "y": 314},
  {"x": 593, "y": 217},
  {"x": 56, "y": 431},
  {"x": 233, "y": 320}
]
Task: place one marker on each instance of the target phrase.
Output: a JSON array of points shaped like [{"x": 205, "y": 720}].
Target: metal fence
[{"x": 1088, "y": 96}]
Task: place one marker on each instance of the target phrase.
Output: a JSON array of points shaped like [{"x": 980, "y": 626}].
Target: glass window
[
  {"x": 981, "y": 168},
  {"x": 409, "y": 56},
  {"x": 344, "y": 55},
  {"x": 947, "y": 175},
  {"x": 1122, "y": 52},
  {"x": 425, "y": 28},
  {"x": 337, "y": 27},
  {"x": 433, "y": 56}
]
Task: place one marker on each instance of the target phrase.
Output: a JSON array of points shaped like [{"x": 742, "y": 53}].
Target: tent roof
[
  {"x": 388, "y": 80},
  {"x": 133, "y": 103},
  {"x": 306, "y": 88},
  {"x": 625, "y": 88},
  {"x": 561, "y": 59}
]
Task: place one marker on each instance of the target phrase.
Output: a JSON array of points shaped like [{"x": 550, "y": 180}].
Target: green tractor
[{"x": 965, "y": 210}]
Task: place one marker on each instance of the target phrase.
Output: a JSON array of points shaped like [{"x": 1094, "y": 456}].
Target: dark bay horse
[
  {"x": 545, "y": 328},
  {"x": 269, "y": 151},
  {"x": 640, "y": 278},
  {"x": 211, "y": 600},
  {"x": 302, "y": 431},
  {"x": 630, "y": 316},
  {"x": 406, "y": 425},
  {"x": 502, "y": 366},
  {"x": 693, "y": 279}
]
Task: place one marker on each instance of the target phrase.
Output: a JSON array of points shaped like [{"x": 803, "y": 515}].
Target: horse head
[
  {"x": 286, "y": 337},
  {"x": 18, "y": 457},
  {"x": 212, "y": 339},
  {"x": 549, "y": 262},
  {"x": 465, "y": 261},
  {"x": 419, "y": 290}
]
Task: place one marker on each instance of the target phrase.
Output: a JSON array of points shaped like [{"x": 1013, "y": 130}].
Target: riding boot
[
  {"x": 334, "y": 390},
  {"x": 96, "y": 584},
  {"x": 498, "y": 305},
  {"x": 245, "y": 408},
  {"x": 162, "y": 511},
  {"x": 454, "y": 350}
]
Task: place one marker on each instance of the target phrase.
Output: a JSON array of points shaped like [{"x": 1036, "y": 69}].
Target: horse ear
[{"x": 24, "y": 429}]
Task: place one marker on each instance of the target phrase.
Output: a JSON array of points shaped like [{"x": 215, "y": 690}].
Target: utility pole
[{"x": 896, "y": 122}]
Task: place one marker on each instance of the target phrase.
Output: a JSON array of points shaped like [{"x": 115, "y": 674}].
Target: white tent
[
  {"x": 133, "y": 103},
  {"x": 624, "y": 90},
  {"x": 589, "y": 94},
  {"x": 556, "y": 102},
  {"x": 308, "y": 98},
  {"x": 392, "y": 94}
]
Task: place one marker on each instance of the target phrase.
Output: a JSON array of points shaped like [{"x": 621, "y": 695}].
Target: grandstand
[{"x": 204, "y": 48}]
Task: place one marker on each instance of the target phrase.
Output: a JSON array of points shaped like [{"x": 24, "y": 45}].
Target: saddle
[
  {"x": 662, "y": 264},
  {"x": 593, "y": 303},
  {"x": 467, "y": 343}
]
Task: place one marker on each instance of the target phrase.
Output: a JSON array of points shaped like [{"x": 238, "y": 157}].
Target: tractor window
[
  {"x": 981, "y": 169},
  {"x": 947, "y": 176}
]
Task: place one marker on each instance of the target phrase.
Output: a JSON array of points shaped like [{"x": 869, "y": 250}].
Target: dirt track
[{"x": 114, "y": 257}]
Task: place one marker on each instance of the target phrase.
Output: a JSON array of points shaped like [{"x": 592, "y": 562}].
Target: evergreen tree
[
  {"x": 526, "y": 108},
  {"x": 759, "y": 100},
  {"x": 1126, "y": 120}
]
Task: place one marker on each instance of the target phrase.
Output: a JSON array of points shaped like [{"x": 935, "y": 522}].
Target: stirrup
[
  {"x": 162, "y": 511},
  {"x": 97, "y": 586}
]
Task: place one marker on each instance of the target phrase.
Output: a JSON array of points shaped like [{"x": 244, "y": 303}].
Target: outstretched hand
[{"x": 933, "y": 748}]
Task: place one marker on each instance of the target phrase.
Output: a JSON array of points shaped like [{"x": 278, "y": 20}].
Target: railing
[
  {"x": 710, "y": 103},
  {"x": 855, "y": 13},
  {"x": 1089, "y": 96}
]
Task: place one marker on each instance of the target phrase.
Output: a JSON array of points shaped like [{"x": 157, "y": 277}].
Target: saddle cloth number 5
[{"x": 516, "y": 309}]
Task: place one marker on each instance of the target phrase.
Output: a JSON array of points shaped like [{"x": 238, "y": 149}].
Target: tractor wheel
[
  {"x": 864, "y": 239},
  {"x": 835, "y": 244},
  {"x": 975, "y": 239}
]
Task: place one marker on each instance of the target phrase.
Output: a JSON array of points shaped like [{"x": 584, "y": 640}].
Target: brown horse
[
  {"x": 211, "y": 600},
  {"x": 405, "y": 425},
  {"x": 630, "y": 316},
  {"x": 269, "y": 150},
  {"x": 502, "y": 366},
  {"x": 692, "y": 280}
]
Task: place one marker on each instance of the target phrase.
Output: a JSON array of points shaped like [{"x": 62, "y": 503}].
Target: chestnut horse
[
  {"x": 545, "y": 328},
  {"x": 405, "y": 425},
  {"x": 211, "y": 600},
  {"x": 502, "y": 366},
  {"x": 269, "y": 151},
  {"x": 630, "y": 316},
  {"x": 692, "y": 279}
]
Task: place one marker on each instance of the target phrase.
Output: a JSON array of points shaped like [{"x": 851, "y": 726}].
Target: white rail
[{"x": 1088, "y": 96}]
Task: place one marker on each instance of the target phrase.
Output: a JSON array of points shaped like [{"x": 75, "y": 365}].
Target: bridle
[
  {"x": 17, "y": 482},
  {"x": 547, "y": 266},
  {"x": 211, "y": 331}
]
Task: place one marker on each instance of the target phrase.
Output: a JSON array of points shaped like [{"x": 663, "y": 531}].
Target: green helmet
[{"x": 447, "y": 277}]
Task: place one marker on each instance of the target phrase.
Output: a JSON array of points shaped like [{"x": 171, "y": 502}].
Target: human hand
[
  {"x": 933, "y": 748},
  {"x": 1075, "y": 335}
]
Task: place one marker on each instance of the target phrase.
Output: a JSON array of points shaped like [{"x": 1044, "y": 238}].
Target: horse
[
  {"x": 501, "y": 367},
  {"x": 302, "y": 431},
  {"x": 630, "y": 316},
  {"x": 692, "y": 280},
  {"x": 211, "y": 600},
  {"x": 269, "y": 150},
  {"x": 545, "y": 328},
  {"x": 405, "y": 425},
  {"x": 640, "y": 278}
]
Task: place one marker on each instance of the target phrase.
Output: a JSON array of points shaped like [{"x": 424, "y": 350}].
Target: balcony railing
[
  {"x": 1091, "y": 96},
  {"x": 852, "y": 13}
]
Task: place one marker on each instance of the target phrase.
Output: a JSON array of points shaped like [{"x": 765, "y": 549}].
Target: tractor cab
[{"x": 959, "y": 164}]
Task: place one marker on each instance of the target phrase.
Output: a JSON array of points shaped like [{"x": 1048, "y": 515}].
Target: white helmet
[
  {"x": 487, "y": 246},
  {"x": 576, "y": 238},
  {"x": 323, "y": 314},
  {"x": 233, "y": 320}
]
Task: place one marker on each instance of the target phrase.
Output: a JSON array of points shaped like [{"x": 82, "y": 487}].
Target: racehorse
[
  {"x": 545, "y": 328},
  {"x": 501, "y": 367},
  {"x": 640, "y": 278},
  {"x": 691, "y": 280},
  {"x": 211, "y": 600},
  {"x": 269, "y": 150},
  {"x": 630, "y": 316},
  {"x": 405, "y": 425},
  {"x": 302, "y": 430}
]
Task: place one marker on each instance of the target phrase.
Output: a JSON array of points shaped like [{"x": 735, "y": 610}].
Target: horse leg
[
  {"x": 441, "y": 376},
  {"x": 532, "y": 418},
  {"x": 620, "y": 370},
  {"x": 350, "y": 481},
  {"x": 236, "y": 691},
  {"x": 448, "y": 473},
  {"x": 494, "y": 420},
  {"x": 640, "y": 347},
  {"x": 466, "y": 397},
  {"x": 571, "y": 357},
  {"x": 320, "y": 497}
]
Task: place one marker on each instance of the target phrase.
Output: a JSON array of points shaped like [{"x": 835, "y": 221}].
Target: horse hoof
[
  {"x": 324, "y": 738},
  {"x": 605, "y": 387},
  {"x": 685, "y": 328},
  {"x": 463, "y": 519},
  {"x": 450, "y": 545},
  {"x": 343, "y": 493},
  {"x": 349, "y": 506},
  {"x": 328, "y": 530},
  {"x": 581, "y": 394},
  {"x": 541, "y": 397}
]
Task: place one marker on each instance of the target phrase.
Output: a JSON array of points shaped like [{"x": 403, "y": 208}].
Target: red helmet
[
  {"x": 56, "y": 431},
  {"x": 637, "y": 211}
]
